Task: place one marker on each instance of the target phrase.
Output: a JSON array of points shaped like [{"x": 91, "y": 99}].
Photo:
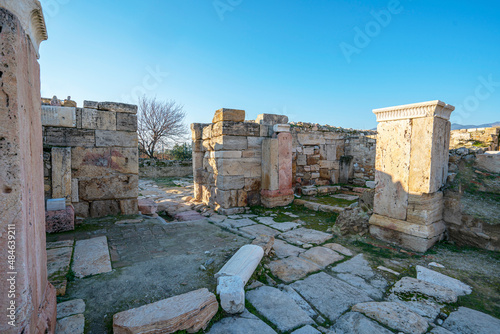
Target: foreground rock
[
  {"x": 191, "y": 311},
  {"x": 292, "y": 268},
  {"x": 70, "y": 307},
  {"x": 394, "y": 315},
  {"x": 328, "y": 295},
  {"x": 302, "y": 236},
  {"x": 434, "y": 277},
  {"x": 356, "y": 323},
  {"x": 74, "y": 324},
  {"x": 242, "y": 324},
  {"x": 277, "y": 307},
  {"x": 465, "y": 320},
  {"x": 322, "y": 256}
]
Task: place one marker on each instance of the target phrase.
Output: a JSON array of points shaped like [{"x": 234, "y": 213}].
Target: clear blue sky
[{"x": 305, "y": 59}]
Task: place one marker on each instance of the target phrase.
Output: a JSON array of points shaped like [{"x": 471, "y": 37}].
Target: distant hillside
[{"x": 455, "y": 126}]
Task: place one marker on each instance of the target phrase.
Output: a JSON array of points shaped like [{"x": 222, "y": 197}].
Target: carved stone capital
[{"x": 415, "y": 110}]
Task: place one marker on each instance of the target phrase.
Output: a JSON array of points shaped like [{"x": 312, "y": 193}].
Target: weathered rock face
[
  {"x": 21, "y": 172},
  {"x": 190, "y": 311},
  {"x": 412, "y": 165}
]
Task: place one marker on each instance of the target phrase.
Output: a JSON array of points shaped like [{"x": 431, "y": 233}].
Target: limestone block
[
  {"x": 229, "y": 128},
  {"x": 329, "y": 164},
  {"x": 271, "y": 119},
  {"x": 392, "y": 168},
  {"x": 207, "y": 132},
  {"x": 226, "y": 154},
  {"x": 61, "y": 172},
  {"x": 98, "y": 119},
  {"x": 105, "y": 138},
  {"x": 197, "y": 130},
  {"x": 425, "y": 209},
  {"x": 90, "y": 104},
  {"x": 197, "y": 146},
  {"x": 242, "y": 198},
  {"x": 252, "y": 183},
  {"x": 232, "y": 294},
  {"x": 191, "y": 311},
  {"x": 285, "y": 160},
  {"x": 82, "y": 209},
  {"x": 228, "y": 182},
  {"x": 125, "y": 122},
  {"x": 226, "y": 198},
  {"x": 104, "y": 208},
  {"x": 242, "y": 263},
  {"x": 255, "y": 143},
  {"x": 266, "y": 130},
  {"x": 230, "y": 143},
  {"x": 60, "y": 221},
  {"x": 417, "y": 230},
  {"x": 276, "y": 199},
  {"x": 281, "y": 127},
  {"x": 71, "y": 137},
  {"x": 118, "y": 107},
  {"x": 252, "y": 153},
  {"x": 489, "y": 161},
  {"x": 78, "y": 114},
  {"x": 129, "y": 206},
  {"x": 101, "y": 161},
  {"x": 270, "y": 164},
  {"x": 114, "y": 187},
  {"x": 301, "y": 159},
  {"x": 58, "y": 116},
  {"x": 74, "y": 191},
  {"x": 147, "y": 206},
  {"x": 248, "y": 167},
  {"x": 311, "y": 138},
  {"x": 225, "y": 114}
]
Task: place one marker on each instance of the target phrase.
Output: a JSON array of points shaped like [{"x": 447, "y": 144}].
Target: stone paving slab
[
  {"x": 299, "y": 301},
  {"x": 283, "y": 249},
  {"x": 356, "y": 323},
  {"x": 58, "y": 260},
  {"x": 245, "y": 323},
  {"x": 330, "y": 296},
  {"x": 425, "y": 308},
  {"x": 286, "y": 226},
  {"x": 339, "y": 249},
  {"x": 302, "y": 236},
  {"x": 60, "y": 244},
  {"x": 434, "y": 277},
  {"x": 258, "y": 229},
  {"x": 413, "y": 285},
  {"x": 394, "y": 315},
  {"x": 91, "y": 257},
  {"x": 306, "y": 330},
  {"x": 292, "y": 268},
  {"x": 376, "y": 292},
  {"x": 356, "y": 266},
  {"x": 322, "y": 256},
  {"x": 466, "y": 320},
  {"x": 237, "y": 223},
  {"x": 277, "y": 307},
  {"x": 74, "y": 324},
  {"x": 346, "y": 197},
  {"x": 70, "y": 307}
]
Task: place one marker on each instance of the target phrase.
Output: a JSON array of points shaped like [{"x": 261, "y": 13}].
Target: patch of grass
[
  {"x": 167, "y": 182},
  {"x": 328, "y": 200},
  {"x": 70, "y": 275}
]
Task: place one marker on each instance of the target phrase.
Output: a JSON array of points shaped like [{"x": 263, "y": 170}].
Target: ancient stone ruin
[{"x": 90, "y": 159}]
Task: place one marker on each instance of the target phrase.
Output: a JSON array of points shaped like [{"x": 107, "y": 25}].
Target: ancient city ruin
[{"x": 272, "y": 227}]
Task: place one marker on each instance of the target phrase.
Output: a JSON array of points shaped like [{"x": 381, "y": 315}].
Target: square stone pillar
[
  {"x": 277, "y": 168},
  {"x": 411, "y": 167}
]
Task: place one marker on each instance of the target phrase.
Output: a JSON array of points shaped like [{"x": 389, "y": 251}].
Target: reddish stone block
[
  {"x": 60, "y": 221},
  {"x": 147, "y": 206},
  {"x": 285, "y": 160},
  {"x": 188, "y": 215}
]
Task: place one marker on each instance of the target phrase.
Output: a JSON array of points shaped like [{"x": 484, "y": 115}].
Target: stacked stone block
[
  {"x": 479, "y": 137},
  {"x": 91, "y": 157},
  {"x": 324, "y": 155},
  {"x": 411, "y": 168},
  {"x": 227, "y": 159}
]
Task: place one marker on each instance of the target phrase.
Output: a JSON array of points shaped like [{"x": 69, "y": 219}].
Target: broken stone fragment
[
  {"x": 190, "y": 311},
  {"x": 147, "y": 206},
  {"x": 232, "y": 294}
]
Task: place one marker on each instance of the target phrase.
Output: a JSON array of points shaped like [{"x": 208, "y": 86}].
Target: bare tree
[{"x": 159, "y": 122}]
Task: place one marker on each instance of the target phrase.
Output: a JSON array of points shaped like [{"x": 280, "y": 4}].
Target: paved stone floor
[{"x": 313, "y": 282}]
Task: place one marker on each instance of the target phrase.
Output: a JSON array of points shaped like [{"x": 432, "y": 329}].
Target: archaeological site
[{"x": 268, "y": 225}]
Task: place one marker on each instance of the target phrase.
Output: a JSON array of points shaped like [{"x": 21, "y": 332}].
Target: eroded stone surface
[
  {"x": 328, "y": 295},
  {"x": 283, "y": 227},
  {"x": 413, "y": 285},
  {"x": 356, "y": 266},
  {"x": 292, "y": 268},
  {"x": 278, "y": 307},
  {"x": 434, "y": 277},
  {"x": 302, "y": 236},
  {"x": 70, "y": 307},
  {"x": 394, "y": 315},
  {"x": 74, "y": 324},
  {"x": 190, "y": 311},
  {"x": 91, "y": 257},
  {"x": 258, "y": 229},
  {"x": 306, "y": 330},
  {"x": 322, "y": 256},
  {"x": 356, "y": 323},
  {"x": 284, "y": 249},
  {"x": 237, "y": 223},
  {"x": 466, "y": 320},
  {"x": 339, "y": 249},
  {"x": 232, "y": 294},
  {"x": 242, "y": 324}
]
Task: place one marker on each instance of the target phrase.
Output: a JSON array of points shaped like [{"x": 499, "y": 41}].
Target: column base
[
  {"x": 418, "y": 238},
  {"x": 274, "y": 198}
]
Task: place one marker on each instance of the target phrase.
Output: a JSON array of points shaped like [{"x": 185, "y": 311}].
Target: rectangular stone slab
[
  {"x": 190, "y": 311},
  {"x": 91, "y": 257}
]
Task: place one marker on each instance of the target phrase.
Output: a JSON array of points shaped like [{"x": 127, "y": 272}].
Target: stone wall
[
  {"x": 227, "y": 159},
  {"x": 28, "y": 301},
  {"x": 153, "y": 168},
  {"x": 472, "y": 198},
  {"x": 324, "y": 155},
  {"x": 487, "y": 138},
  {"x": 91, "y": 157}
]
